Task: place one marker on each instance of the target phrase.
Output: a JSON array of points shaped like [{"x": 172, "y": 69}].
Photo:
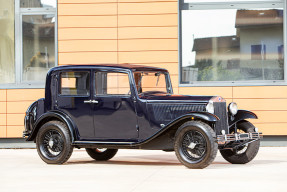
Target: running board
[{"x": 104, "y": 143}]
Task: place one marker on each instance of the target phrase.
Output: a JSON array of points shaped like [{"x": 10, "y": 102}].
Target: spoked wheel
[
  {"x": 54, "y": 143},
  {"x": 195, "y": 145},
  {"x": 101, "y": 154},
  {"x": 244, "y": 153}
]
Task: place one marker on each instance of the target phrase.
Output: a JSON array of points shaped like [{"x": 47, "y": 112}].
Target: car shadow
[
  {"x": 149, "y": 160},
  {"x": 165, "y": 160}
]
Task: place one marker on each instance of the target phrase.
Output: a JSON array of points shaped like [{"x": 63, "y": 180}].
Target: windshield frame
[{"x": 169, "y": 89}]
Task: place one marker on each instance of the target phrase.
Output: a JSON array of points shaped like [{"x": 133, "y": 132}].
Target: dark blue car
[{"x": 104, "y": 108}]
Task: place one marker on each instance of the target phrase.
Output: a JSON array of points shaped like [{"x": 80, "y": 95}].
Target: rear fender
[{"x": 53, "y": 115}]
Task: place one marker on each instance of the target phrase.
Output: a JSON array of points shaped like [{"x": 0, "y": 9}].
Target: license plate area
[{"x": 243, "y": 136}]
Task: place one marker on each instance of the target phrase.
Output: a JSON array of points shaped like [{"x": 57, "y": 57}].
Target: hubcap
[
  {"x": 51, "y": 143},
  {"x": 101, "y": 150},
  {"x": 194, "y": 145}
]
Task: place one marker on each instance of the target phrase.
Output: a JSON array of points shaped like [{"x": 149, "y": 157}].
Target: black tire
[
  {"x": 195, "y": 144},
  {"x": 100, "y": 154},
  {"x": 53, "y": 143},
  {"x": 245, "y": 153}
]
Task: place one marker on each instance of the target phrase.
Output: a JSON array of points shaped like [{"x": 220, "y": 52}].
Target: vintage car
[{"x": 103, "y": 108}]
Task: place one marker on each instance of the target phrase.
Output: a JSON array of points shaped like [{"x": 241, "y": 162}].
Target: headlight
[
  {"x": 232, "y": 108},
  {"x": 209, "y": 107}
]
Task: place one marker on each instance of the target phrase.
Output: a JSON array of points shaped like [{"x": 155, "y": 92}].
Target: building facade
[{"x": 210, "y": 47}]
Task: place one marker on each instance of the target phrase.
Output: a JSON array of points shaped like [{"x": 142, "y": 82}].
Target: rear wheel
[
  {"x": 53, "y": 143},
  {"x": 245, "y": 153},
  {"x": 101, "y": 154},
  {"x": 195, "y": 145}
]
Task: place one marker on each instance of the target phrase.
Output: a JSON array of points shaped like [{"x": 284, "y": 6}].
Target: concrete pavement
[{"x": 140, "y": 170}]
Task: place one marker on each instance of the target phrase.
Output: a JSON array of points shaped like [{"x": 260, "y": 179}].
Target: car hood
[{"x": 176, "y": 98}]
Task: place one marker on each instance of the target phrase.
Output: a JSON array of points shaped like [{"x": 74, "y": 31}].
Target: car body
[{"x": 123, "y": 106}]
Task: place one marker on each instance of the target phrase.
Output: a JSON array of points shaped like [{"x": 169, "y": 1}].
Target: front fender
[
  {"x": 53, "y": 115},
  {"x": 241, "y": 115},
  {"x": 205, "y": 116},
  {"x": 161, "y": 138}
]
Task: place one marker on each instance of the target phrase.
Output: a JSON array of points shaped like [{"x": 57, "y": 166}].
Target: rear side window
[{"x": 75, "y": 83}]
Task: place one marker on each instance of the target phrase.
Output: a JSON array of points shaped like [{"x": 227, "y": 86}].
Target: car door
[
  {"x": 74, "y": 99},
  {"x": 114, "y": 111}
]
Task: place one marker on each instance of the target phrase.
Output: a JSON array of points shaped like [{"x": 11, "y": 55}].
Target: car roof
[{"x": 113, "y": 66}]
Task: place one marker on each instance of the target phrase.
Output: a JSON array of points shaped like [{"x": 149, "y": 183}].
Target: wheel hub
[
  {"x": 192, "y": 145},
  {"x": 51, "y": 143}
]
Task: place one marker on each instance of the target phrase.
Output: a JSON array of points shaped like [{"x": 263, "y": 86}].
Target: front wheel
[
  {"x": 101, "y": 154},
  {"x": 53, "y": 143},
  {"x": 195, "y": 145},
  {"x": 245, "y": 153}
]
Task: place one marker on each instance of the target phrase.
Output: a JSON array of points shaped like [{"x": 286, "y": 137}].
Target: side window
[
  {"x": 75, "y": 83},
  {"x": 112, "y": 83}
]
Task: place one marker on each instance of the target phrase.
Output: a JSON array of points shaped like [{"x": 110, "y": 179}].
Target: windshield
[{"x": 150, "y": 82}]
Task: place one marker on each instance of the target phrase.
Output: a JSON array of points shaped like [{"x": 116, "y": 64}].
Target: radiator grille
[{"x": 220, "y": 111}]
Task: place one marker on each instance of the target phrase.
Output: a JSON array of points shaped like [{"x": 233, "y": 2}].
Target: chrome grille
[{"x": 221, "y": 112}]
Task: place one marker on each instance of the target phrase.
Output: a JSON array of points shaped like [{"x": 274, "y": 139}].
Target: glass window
[
  {"x": 38, "y": 46},
  {"x": 232, "y": 45},
  {"x": 112, "y": 83},
  {"x": 226, "y": 1},
  {"x": 75, "y": 83},
  {"x": 150, "y": 82},
  {"x": 7, "y": 63},
  {"x": 38, "y": 3}
]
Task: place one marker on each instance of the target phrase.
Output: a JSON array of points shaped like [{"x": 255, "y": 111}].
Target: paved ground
[{"x": 138, "y": 170}]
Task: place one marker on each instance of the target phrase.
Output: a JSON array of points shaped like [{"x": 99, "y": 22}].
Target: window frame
[
  {"x": 169, "y": 89},
  {"x": 232, "y": 5},
  {"x": 111, "y": 95},
  {"x": 18, "y": 43},
  {"x": 59, "y": 89}
]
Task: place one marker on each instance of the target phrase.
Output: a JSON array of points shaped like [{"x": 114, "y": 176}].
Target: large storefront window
[
  {"x": 38, "y": 46},
  {"x": 7, "y": 48},
  {"x": 232, "y": 45},
  {"x": 28, "y": 29}
]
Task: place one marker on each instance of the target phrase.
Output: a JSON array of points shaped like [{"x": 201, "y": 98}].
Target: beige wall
[{"x": 138, "y": 32}]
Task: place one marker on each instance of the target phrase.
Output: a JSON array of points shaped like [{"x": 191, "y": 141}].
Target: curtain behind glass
[{"x": 7, "y": 64}]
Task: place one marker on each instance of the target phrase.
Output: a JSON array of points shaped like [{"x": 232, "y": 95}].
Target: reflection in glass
[
  {"x": 225, "y": 1},
  {"x": 38, "y": 46},
  {"x": 38, "y": 3},
  {"x": 7, "y": 64},
  {"x": 232, "y": 45}
]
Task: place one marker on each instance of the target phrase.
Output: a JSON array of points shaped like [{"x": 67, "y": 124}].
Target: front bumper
[{"x": 252, "y": 136}]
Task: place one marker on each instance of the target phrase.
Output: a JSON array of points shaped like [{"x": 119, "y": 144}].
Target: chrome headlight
[
  {"x": 232, "y": 108},
  {"x": 210, "y": 107}
]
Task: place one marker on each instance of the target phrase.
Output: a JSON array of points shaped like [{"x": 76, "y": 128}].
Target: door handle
[{"x": 91, "y": 101}]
